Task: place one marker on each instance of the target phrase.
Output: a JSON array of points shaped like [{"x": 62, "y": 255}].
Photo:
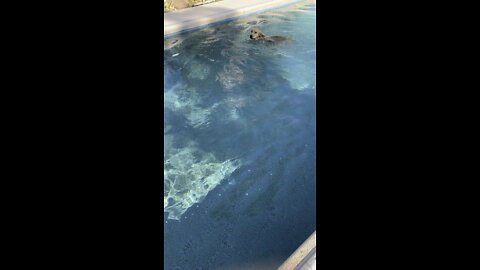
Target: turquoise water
[{"x": 239, "y": 136}]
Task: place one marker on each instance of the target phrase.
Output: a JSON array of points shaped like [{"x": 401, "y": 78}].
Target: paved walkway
[
  {"x": 199, "y": 16},
  {"x": 180, "y": 4}
]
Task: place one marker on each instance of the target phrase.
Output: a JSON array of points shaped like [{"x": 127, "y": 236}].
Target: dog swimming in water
[{"x": 256, "y": 34}]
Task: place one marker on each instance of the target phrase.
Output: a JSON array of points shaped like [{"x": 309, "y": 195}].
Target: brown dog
[{"x": 256, "y": 34}]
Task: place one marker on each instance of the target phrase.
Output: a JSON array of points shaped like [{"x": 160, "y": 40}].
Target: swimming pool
[{"x": 239, "y": 137}]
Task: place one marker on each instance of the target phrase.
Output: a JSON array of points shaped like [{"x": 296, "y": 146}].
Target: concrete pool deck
[
  {"x": 304, "y": 258},
  {"x": 199, "y": 16}
]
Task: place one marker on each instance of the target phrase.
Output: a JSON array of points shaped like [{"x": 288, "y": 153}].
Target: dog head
[{"x": 256, "y": 34}]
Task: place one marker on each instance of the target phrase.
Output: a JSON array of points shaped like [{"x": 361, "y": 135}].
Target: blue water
[{"x": 239, "y": 135}]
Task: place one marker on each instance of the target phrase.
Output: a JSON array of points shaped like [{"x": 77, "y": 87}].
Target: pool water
[{"x": 239, "y": 137}]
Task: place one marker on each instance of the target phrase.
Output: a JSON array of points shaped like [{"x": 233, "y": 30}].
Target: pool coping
[
  {"x": 304, "y": 258},
  {"x": 189, "y": 19}
]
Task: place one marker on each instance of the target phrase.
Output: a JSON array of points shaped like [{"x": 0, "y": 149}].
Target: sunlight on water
[
  {"x": 189, "y": 174},
  {"x": 215, "y": 80},
  {"x": 239, "y": 142}
]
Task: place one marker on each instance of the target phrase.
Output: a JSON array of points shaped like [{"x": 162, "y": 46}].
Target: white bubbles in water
[{"x": 210, "y": 39}]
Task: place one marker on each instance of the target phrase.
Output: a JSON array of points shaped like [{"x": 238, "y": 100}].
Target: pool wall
[{"x": 196, "y": 17}]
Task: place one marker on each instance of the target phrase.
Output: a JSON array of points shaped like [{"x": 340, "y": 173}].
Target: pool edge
[
  {"x": 181, "y": 21},
  {"x": 304, "y": 257}
]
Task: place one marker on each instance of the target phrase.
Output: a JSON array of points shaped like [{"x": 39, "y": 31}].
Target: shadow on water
[{"x": 258, "y": 216}]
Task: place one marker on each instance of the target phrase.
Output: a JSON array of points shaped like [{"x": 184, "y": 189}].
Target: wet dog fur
[{"x": 256, "y": 34}]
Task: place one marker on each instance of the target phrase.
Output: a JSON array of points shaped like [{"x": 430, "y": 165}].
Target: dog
[{"x": 256, "y": 34}]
